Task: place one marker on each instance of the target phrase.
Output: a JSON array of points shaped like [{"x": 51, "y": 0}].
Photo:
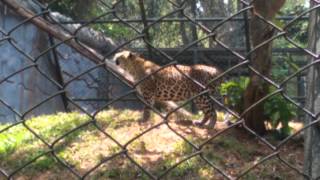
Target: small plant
[
  {"x": 276, "y": 108},
  {"x": 279, "y": 112},
  {"x": 233, "y": 91}
]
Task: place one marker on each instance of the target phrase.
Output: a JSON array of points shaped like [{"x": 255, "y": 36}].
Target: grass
[
  {"x": 19, "y": 146},
  {"x": 156, "y": 151}
]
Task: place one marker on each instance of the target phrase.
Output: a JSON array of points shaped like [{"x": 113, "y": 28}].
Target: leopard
[{"x": 172, "y": 83}]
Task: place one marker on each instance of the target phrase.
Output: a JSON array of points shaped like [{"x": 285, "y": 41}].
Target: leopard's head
[{"x": 126, "y": 60}]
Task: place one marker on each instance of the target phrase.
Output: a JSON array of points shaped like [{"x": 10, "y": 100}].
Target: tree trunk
[
  {"x": 312, "y": 134},
  {"x": 261, "y": 61}
]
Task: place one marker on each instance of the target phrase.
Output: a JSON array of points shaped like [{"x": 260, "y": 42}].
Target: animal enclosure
[{"x": 67, "y": 111}]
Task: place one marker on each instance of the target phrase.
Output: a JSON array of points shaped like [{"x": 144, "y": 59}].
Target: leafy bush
[
  {"x": 233, "y": 91},
  {"x": 277, "y": 109}
]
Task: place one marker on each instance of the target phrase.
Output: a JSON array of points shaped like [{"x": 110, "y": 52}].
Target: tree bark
[
  {"x": 260, "y": 61},
  {"x": 312, "y": 134}
]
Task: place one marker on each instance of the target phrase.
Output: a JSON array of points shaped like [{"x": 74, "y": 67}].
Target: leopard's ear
[
  {"x": 133, "y": 55},
  {"x": 129, "y": 54},
  {"x": 126, "y": 54}
]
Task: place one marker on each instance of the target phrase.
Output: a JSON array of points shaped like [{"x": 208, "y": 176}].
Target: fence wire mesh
[{"x": 141, "y": 32}]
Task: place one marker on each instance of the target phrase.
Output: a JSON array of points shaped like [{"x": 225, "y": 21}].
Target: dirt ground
[{"x": 233, "y": 152}]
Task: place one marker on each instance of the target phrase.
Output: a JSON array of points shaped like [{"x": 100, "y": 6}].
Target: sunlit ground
[{"x": 156, "y": 151}]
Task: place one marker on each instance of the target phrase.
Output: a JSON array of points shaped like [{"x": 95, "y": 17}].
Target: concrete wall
[{"x": 28, "y": 88}]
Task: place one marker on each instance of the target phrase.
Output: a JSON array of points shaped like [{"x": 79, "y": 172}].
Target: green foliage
[
  {"x": 280, "y": 69},
  {"x": 18, "y": 145},
  {"x": 296, "y": 31},
  {"x": 169, "y": 34},
  {"x": 77, "y": 9},
  {"x": 65, "y": 7},
  {"x": 233, "y": 92},
  {"x": 9, "y": 142},
  {"x": 277, "y": 109},
  {"x": 281, "y": 112},
  {"x": 43, "y": 163},
  {"x": 183, "y": 147},
  {"x": 187, "y": 167},
  {"x": 19, "y": 139},
  {"x": 119, "y": 32}
]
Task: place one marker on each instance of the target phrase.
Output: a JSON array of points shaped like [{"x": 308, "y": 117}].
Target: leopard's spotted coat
[{"x": 169, "y": 84}]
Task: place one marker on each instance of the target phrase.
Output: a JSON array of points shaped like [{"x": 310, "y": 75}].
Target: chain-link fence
[{"x": 62, "y": 33}]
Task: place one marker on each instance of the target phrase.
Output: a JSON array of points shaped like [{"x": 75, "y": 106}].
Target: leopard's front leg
[
  {"x": 146, "y": 110},
  {"x": 205, "y": 104}
]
